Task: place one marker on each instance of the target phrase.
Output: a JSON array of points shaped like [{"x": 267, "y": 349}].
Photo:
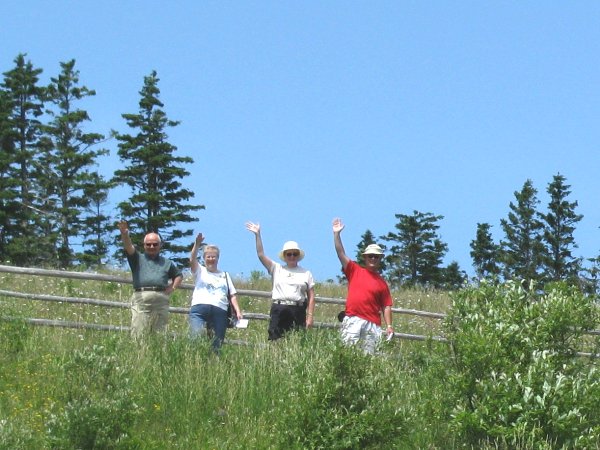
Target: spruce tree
[
  {"x": 153, "y": 172},
  {"x": 8, "y": 184},
  {"x": 97, "y": 227},
  {"x": 453, "y": 277},
  {"x": 65, "y": 166},
  {"x": 417, "y": 253},
  {"x": 484, "y": 252},
  {"x": 22, "y": 103},
  {"x": 559, "y": 225},
  {"x": 522, "y": 249}
]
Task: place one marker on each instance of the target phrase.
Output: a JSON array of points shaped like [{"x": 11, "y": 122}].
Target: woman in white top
[
  {"x": 293, "y": 293},
  {"x": 210, "y": 296}
]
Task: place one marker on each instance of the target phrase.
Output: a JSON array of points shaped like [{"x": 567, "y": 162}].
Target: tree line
[
  {"x": 54, "y": 208},
  {"x": 537, "y": 246},
  {"x": 52, "y": 198}
]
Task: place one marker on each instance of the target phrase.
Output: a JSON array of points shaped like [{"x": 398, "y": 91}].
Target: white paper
[{"x": 242, "y": 323}]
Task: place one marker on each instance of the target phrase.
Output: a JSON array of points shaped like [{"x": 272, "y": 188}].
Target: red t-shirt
[{"x": 368, "y": 293}]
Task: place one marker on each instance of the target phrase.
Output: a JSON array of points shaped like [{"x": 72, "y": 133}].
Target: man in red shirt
[{"x": 368, "y": 296}]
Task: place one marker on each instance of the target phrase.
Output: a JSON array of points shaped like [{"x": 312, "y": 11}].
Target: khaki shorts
[{"x": 149, "y": 312}]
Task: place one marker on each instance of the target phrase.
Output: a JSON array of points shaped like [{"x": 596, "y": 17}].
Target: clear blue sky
[{"x": 298, "y": 112}]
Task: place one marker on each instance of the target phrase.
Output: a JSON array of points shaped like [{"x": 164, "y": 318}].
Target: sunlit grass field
[{"x": 78, "y": 388}]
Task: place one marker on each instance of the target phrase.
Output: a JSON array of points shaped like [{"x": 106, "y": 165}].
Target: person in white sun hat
[
  {"x": 368, "y": 296},
  {"x": 293, "y": 296}
]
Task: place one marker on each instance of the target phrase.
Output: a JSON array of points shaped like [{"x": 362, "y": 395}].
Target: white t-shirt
[
  {"x": 291, "y": 283},
  {"x": 211, "y": 288}
]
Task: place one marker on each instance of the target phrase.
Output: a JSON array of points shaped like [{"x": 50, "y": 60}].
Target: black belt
[{"x": 150, "y": 288}]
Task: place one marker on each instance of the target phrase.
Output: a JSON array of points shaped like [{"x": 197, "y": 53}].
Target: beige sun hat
[
  {"x": 373, "y": 249},
  {"x": 291, "y": 245}
]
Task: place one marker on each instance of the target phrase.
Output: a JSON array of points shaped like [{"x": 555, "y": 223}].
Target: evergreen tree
[
  {"x": 97, "y": 227},
  {"x": 64, "y": 167},
  {"x": 453, "y": 277},
  {"x": 418, "y": 251},
  {"x": 152, "y": 171},
  {"x": 22, "y": 105},
  {"x": 484, "y": 252},
  {"x": 560, "y": 224},
  {"x": 8, "y": 184},
  {"x": 590, "y": 277},
  {"x": 522, "y": 250}
]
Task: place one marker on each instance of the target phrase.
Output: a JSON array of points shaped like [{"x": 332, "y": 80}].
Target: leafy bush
[{"x": 516, "y": 374}]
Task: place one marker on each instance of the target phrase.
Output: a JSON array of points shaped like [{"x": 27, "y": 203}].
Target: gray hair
[{"x": 212, "y": 247}]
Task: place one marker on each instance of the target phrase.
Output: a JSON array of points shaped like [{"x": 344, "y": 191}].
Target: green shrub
[{"x": 515, "y": 373}]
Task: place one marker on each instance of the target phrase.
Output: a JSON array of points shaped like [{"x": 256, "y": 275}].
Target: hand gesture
[
  {"x": 123, "y": 226},
  {"x": 338, "y": 226},
  {"x": 199, "y": 239},
  {"x": 253, "y": 227}
]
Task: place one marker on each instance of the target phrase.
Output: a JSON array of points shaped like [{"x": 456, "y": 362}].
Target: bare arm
[
  {"x": 338, "y": 226},
  {"x": 194, "y": 254},
  {"x": 387, "y": 316},
  {"x": 260, "y": 252},
  {"x": 236, "y": 307},
  {"x": 174, "y": 285},
  {"x": 311, "y": 308},
  {"x": 125, "y": 238}
]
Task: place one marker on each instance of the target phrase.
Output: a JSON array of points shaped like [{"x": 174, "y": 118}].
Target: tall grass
[{"x": 80, "y": 389}]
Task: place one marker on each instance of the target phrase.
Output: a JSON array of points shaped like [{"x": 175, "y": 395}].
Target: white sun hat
[{"x": 291, "y": 245}]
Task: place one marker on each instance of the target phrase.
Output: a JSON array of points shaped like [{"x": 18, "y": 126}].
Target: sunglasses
[
  {"x": 295, "y": 254},
  {"x": 373, "y": 256},
  {"x": 151, "y": 244}
]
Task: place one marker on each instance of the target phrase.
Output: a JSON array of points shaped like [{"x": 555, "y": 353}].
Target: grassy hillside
[{"x": 73, "y": 388}]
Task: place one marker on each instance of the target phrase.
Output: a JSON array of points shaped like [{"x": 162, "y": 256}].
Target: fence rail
[{"x": 178, "y": 310}]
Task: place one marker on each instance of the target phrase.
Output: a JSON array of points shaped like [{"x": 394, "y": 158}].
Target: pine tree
[
  {"x": 97, "y": 227},
  {"x": 560, "y": 222},
  {"x": 453, "y": 277},
  {"x": 522, "y": 250},
  {"x": 485, "y": 252},
  {"x": 22, "y": 104},
  {"x": 64, "y": 168},
  {"x": 8, "y": 184},
  {"x": 152, "y": 171},
  {"x": 417, "y": 253}
]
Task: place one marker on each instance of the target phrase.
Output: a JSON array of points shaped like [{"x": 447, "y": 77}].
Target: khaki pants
[{"x": 149, "y": 312}]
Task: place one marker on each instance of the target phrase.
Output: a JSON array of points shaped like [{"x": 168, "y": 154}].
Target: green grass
[{"x": 77, "y": 389}]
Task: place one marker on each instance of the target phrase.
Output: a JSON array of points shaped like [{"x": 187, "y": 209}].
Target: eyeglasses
[
  {"x": 373, "y": 256},
  {"x": 151, "y": 244},
  {"x": 294, "y": 254}
]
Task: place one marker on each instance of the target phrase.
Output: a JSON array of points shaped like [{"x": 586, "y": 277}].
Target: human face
[
  {"x": 372, "y": 261},
  {"x": 152, "y": 244},
  {"x": 291, "y": 257},
  {"x": 211, "y": 259}
]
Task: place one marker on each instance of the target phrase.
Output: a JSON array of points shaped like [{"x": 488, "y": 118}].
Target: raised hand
[
  {"x": 123, "y": 226},
  {"x": 338, "y": 226},
  {"x": 253, "y": 227}
]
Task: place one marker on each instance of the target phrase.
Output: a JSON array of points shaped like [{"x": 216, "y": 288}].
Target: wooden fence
[
  {"x": 176, "y": 310},
  {"x": 179, "y": 310}
]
